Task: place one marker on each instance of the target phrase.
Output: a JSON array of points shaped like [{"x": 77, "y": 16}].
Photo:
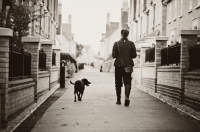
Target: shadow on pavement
[{"x": 30, "y": 122}]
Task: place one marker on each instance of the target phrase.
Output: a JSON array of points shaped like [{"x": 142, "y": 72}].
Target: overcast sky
[{"x": 89, "y": 18}]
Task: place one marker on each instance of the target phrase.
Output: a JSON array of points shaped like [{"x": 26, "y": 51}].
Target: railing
[
  {"x": 19, "y": 64},
  {"x": 150, "y": 55},
  {"x": 194, "y": 57},
  {"x": 170, "y": 55},
  {"x": 42, "y": 60},
  {"x": 53, "y": 59}
]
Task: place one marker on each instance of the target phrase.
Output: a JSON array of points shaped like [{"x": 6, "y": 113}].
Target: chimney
[
  {"x": 108, "y": 19},
  {"x": 69, "y": 19},
  {"x": 60, "y": 8},
  {"x": 124, "y": 15},
  {"x": 103, "y": 36}
]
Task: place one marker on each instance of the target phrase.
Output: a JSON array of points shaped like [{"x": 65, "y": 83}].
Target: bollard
[{"x": 62, "y": 74}]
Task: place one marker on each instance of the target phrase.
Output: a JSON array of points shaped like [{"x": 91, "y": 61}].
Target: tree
[
  {"x": 79, "y": 47},
  {"x": 18, "y": 18}
]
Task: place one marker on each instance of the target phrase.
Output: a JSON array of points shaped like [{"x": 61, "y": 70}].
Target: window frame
[
  {"x": 190, "y": 6},
  {"x": 169, "y": 13}
]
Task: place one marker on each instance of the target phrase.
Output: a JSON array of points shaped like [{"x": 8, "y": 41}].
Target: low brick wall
[
  {"x": 168, "y": 81},
  {"x": 192, "y": 90},
  {"x": 136, "y": 75},
  {"x": 148, "y": 75},
  {"x": 55, "y": 76},
  {"x": 43, "y": 82},
  {"x": 20, "y": 95},
  {"x": 1, "y": 95}
]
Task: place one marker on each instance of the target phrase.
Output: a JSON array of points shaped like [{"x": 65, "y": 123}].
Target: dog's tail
[{"x": 71, "y": 82}]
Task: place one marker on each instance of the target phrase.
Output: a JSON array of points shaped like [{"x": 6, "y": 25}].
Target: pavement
[{"x": 97, "y": 112}]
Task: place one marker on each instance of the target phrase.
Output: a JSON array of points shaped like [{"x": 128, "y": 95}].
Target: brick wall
[
  {"x": 148, "y": 76},
  {"x": 1, "y": 95},
  {"x": 5, "y": 35},
  {"x": 21, "y": 94},
  {"x": 168, "y": 81},
  {"x": 43, "y": 82},
  {"x": 55, "y": 76},
  {"x": 192, "y": 90}
]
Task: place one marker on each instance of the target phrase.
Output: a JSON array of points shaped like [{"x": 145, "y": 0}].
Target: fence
[
  {"x": 42, "y": 60},
  {"x": 170, "y": 55},
  {"x": 194, "y": 54},
  {"x": 53, "y": 59},
  {"x": 19, "y": 64},
  {"x": 150, "y": 55}
]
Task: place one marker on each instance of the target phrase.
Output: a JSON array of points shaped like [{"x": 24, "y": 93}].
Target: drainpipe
[{"x": 154, "y": 8}]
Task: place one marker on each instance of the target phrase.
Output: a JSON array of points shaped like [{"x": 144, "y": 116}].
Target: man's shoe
[
  {"x": 118, "y": 102},
  {"x": 126, "y": 102}
]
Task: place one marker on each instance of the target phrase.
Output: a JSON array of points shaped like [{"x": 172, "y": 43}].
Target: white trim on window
[
  {"x": 160, "y": 14},
  {"x": 170, "y": 10},
  {"x": 198, "y": 5},
  {"x": 175, "y": 9},
  {"x": 181, "y": 8},
  {"x": 190, "y": 6}
]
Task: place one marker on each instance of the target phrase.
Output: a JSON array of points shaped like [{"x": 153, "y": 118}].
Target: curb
[
  {"x": 14, "y": 123},
  {"x": 164, "y": 99}
]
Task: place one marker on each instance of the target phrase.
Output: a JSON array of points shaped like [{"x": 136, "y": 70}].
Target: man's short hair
[{"x": 125, "y": 33}]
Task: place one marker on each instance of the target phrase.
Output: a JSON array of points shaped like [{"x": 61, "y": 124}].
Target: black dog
[{"x": 79, "y": 87}]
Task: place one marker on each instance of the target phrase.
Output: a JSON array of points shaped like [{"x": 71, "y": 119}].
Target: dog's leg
[
  {"x": 74, "y": 96},
  {"x": 78, "y": 94},
  {"x": 81, "y": 96}
]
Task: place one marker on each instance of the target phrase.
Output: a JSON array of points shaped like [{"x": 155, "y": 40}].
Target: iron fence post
[{"x": 23, "y": 63}]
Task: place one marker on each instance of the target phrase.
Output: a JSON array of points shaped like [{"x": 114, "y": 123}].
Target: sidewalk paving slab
[{"x": 97, "y": 112}]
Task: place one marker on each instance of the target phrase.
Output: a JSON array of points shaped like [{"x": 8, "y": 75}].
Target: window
[
  {"x": 198, "y": 4},
  {"x": 160, "y": 14},
  {"x": 175, "y": 9},
  {"x": 190, "y": 6},
  {"x": 53, "y": 58},
  {"x": 181, "y": 9},
  {"x": 172, "y": 37},
  {"x": 196, "y": 23},
  {"x": 169, "y": 13},
  {"x": 151, "y": 19},
  {"x": 156, "y": 14}
]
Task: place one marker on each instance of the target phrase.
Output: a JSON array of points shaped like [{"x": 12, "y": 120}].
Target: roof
[
  {"x": 102, "y": 40},
  {"x": 86, "y": 47},
  {"x": 111, "y": 28},
  {"x": 66, "y": 30}
]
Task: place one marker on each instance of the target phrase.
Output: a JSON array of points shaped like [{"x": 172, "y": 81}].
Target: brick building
[
  {"x": 34, "y": 74},
  {"x": 166, "y": 34}
]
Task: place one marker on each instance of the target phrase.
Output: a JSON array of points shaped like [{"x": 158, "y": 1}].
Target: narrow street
[{"x": 97, "y": 112}]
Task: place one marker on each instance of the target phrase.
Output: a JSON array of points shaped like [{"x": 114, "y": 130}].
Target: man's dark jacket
[{"x": 127, "y": 50}]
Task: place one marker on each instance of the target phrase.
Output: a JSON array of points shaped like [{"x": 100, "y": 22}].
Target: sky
[{"x": 89, "y": 19}]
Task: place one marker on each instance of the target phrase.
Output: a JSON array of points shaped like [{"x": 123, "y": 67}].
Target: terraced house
[
  {"x": 29, "y": 53},
  {"x": 166, "y": 34}
]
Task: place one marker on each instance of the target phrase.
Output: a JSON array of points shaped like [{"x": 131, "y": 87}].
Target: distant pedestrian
[
  {"x": 101, "y": 69},
  {"x": 124, "y": 51}
]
